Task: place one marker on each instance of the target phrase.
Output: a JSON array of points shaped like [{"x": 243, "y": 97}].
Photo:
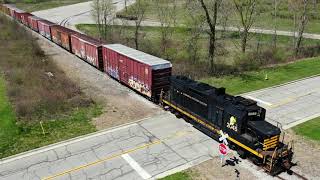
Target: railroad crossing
[{"x": 153, "y": 147}]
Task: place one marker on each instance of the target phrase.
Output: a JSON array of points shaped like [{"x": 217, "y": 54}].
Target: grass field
[
  {"x": 37, "y": 5},
  {"x": 29, "y": 96},
  {"x": 178, "y": 176},
  {"x": 250, "y": 81},
  {"x": 228, "y": 49},
  {"x": 263, "y": 19},
  {"x": 309, "y": 129},
  {"x": 8, "y": 127}
]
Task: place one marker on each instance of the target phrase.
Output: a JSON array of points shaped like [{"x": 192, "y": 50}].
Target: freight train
[{"x": 209, "y": 109}]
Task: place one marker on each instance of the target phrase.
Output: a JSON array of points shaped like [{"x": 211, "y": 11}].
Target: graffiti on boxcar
[
  {"x": 113, "y": 73},
  {"x": 141, "y": 87},
  {"x": 82, "y": 53},
  {"x": 91, "y": 60},
  {"x": 43, "y": 33}
]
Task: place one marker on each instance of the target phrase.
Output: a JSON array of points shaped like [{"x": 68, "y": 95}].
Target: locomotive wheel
[
  {"x": 232, "y": 146},
  {"x": 242, "y": 153},
  {"x": 178, "y": 115}
]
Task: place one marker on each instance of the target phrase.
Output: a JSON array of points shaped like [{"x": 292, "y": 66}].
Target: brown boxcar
[
  {"x": 44, "y": 27},
  {"x": 24, "y": 18},
  {"x": 11, "y": 10},
  {"x": 142, "y": 72},
  {"x": 18, "y": 14},
  {"x": 33, "y": 22},
  {"x": 88, "y": 49},
  {"x": 6, "y": 9},
  {"x": 62, "y": 36}
]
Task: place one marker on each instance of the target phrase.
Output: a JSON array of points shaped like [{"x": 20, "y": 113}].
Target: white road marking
[
  {"x": 143, "y": 173},
  {"x": 259, "y": 100}
]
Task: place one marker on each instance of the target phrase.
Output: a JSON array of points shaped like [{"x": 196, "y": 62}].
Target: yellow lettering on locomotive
[{"x": 232, "y": 124}]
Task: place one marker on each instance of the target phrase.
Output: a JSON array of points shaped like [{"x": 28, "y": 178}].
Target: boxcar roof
[
  {"x": 35, "y": 17},
  {"x": 64, "y": 29},
  {"x": 88, "y": 39},
  {"x": 47, "y": 22},
  {"x": 20, "y": 11},
  {"x": 155, "y": 62}
]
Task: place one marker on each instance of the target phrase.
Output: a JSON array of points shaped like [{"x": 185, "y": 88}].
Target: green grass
[
  {"x": 178, "y": 176},
  {"x": 309, "y": 129},
  {"x": 264, "y": 19},
  {"x": 20, "y": 137},
  {"x": 230, "y": 45},
  {"x": 8, "y": 127},
  {"x": 250, "y": 81},
  {"x": 37, "y": 5},
  {"x": 28, "y": 96}
]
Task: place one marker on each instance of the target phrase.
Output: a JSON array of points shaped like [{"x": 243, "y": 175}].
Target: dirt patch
[
  {"x": 121, "y": 105},
  {"x": 212, "y": 169},
  {"x": 307, "y": 155}
]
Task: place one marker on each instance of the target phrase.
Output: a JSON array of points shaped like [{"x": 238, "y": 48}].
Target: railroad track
[{"x": 295, "y": 174}]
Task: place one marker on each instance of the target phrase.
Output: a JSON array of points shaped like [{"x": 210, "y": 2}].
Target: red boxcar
[
  {"x": 33, "y": 22},
  {"x": 24, "y": 18},
  {"x": 88, "y": 49},
  {"x": 45, "y": 28},
  {"x": 18, "y": 14},
  {"x": 142, "y": 72},
  {"x": 62, "y": 36}
]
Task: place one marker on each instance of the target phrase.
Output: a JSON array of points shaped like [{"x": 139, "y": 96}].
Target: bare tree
[
  {"x": 224, "y": 16},
  {"x": 275, "y": 11},
  {"x": 166, "y": 11},
  {"x": 103, "y": 11},
  {"x": 299, "y": 9},
  {"x": 246, "y": 12},
  {"x": 125, "y": 5},
  {"x": 302, "y": 26},
  {"x": 139, "y": 11},
  {"x": 195, "y": 23},
  {"x": 210, "y": 9}
]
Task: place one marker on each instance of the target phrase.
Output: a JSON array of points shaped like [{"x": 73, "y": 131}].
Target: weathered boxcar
[
  {"x": 62, "y": 36},
  {"x": 18, "y": 14},
  {"x": 44, "y": 27},
  {"x": 11, "y": 9},
  {"x": 142, "y": 72},
  {"x": 24, "y": 18},
  {"x": 88, "y": 49},
  {"x": 6, "y": 8},
  {"x": 33, "y": 22}
]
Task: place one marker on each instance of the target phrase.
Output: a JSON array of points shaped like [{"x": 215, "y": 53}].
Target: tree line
[{"x": 204, "y": 16}]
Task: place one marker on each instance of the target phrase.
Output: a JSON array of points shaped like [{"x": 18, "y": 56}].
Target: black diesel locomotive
[{"x": 210, "y": 110}]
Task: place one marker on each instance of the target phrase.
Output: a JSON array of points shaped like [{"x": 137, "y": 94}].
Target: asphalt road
[
  {"x": 290, "y": 104},
  {"x": 74, "y": 14},
  {"x": 141, "y": 150}
]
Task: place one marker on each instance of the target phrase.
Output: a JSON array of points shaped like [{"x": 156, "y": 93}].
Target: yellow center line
[{"x": 177, "y": 134}]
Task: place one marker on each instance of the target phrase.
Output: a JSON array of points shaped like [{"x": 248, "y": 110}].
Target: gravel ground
[
  {"x": 307, "y": 155},
  {"x": 121, "y": 105},
  {"x": 213, "y": 169}
]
